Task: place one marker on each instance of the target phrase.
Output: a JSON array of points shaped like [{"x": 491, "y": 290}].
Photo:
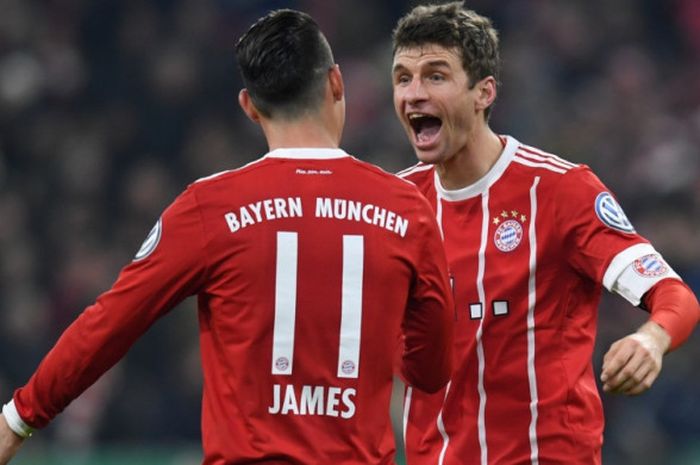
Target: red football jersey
[
  {"x": 530, "y": 246},
  {"x": 307, "y": 264}
]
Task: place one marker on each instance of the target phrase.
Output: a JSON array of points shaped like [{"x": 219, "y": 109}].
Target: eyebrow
[
  {"x": 398, "y": 67},
  {"x": 430, "y": 64}
]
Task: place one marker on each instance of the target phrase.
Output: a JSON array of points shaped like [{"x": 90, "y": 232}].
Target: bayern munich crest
[
  {"x": 650, "y": 266},
  {"x": 348, "y": 367},
  {"x": 282, "y": 364},
  {"x": 509, "y": 233}
]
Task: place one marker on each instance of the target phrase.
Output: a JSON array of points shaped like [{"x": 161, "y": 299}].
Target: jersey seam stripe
[
  {"x": 235, "y": 170},
  {"x": 533, "y": 164},
  {"x": 481, "y": 416},
  {"x": 536, "y": 151},
  {"x": 532, "y": 302},
  {"x": 409, "y": 168},
  {"x": 406, "y": 412},
  {"x": 413, "y": 169},
  {"x": 438, "y": 213},
  {"x": 441, "y": 428},
  {"x": 202, "y": 223},
  {"x": 536, "y": 157},
  {"x": 440, "y": 422},
  {"x": 211, "y": 176}
]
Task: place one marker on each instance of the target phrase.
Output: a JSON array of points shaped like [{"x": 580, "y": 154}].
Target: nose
[{"x": 415, "y": 91}]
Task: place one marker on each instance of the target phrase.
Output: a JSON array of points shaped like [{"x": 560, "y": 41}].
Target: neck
[
  {"x": 478, "y": 155},
  {"x": 305, "y": 132}
]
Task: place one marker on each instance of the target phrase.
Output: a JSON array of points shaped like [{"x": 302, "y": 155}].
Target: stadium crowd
[{"x": 109, "y": 109}]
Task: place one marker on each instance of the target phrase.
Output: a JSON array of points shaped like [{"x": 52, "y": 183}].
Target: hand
[
  {"x": 634, "y": 362},
  {"x": 9, "y": 442}
]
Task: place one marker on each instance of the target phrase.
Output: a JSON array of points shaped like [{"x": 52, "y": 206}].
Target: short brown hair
[{"x": 452, "y": 25}]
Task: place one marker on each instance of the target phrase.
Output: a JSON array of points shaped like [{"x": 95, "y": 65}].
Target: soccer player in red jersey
[
  {"x": 531, "y": 240},
  {"x": 307, "y": 264}
]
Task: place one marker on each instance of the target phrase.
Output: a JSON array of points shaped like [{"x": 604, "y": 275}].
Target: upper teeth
[{"x": 417, "y": 115}]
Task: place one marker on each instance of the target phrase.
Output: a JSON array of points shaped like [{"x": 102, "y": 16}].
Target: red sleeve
[
  {"x": 594, "y": 225},
  {"x": 168, "y": 268},
  {"x": 675, "y": 308},
  {"x": 428, "y": 323}
]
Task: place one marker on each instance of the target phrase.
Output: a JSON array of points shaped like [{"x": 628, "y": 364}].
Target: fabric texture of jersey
[
  {"x": 530, "y": 247},
  {"x": 307, "y": 265}
]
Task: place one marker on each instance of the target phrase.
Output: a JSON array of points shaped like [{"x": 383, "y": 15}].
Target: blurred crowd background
[{"x": 109, "y": 108}]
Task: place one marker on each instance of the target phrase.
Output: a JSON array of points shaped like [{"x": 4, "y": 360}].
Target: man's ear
[
  {"x": 336, "y": 80},
  {"x": 486, "y": 93},
  {"x": 248, "y": 106}
]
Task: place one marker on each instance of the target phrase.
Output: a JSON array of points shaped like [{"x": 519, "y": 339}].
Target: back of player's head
[
  {"x": 453, "y": 26},
  {"x": 284, "y": 61}
]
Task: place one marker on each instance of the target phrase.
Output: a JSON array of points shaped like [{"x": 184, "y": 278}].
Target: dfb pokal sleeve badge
[{"x": 151, "y": 242}]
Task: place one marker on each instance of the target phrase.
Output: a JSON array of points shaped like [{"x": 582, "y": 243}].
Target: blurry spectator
[{"x": 93, "y": 93}]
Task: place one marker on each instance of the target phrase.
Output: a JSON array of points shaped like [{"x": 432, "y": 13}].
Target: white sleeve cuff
[
  {"x": 15, "y": 422},
  {"x": 635, "y": 270},
  {"x": 622, "y": 261}
]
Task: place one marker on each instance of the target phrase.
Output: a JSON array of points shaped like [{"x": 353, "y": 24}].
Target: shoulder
[
  {"x": 555, "y": 173},
  {"x": 226, "y": 175},
  {"x": 416, "y": 170},
  {"x": 542, "y": 162},
  {"x": 421, "y": 174},
  {"x": 396, "y": 179},
  {"x": 579, "y": 196},
  {"x": 398, "y": 191}
]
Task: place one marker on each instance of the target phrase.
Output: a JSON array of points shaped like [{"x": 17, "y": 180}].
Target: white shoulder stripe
[
  {"x": 414, "y": 169},
  {"x": 221, "y": 173},
  {"x": 547, "y": 166},
  {"x": 551, "y": 160},
  {"x": 212, "y": 176},
  {"x": 410, "y": 168},
  {"x": 542, "y": 153}
]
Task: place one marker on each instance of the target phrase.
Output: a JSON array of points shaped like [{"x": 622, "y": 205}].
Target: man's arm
[
  {"x": 9, "y": 442},
  {"x": 102, "y": 334},
  {"x": 608, "y": 250},
  {"x": 428, "y": 323},
  {"x": 634, "y": 362}
]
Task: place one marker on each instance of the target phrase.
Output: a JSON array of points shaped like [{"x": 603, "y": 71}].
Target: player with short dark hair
[
  {"x": 531, "y": 241},
  {"x": 308, "y": 264},
  {"x": 289, "y": 80}
]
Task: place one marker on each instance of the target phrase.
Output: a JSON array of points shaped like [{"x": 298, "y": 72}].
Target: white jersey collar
[
  {"x": 314, "y": 153},
  {"x": 480, "y": 186}
]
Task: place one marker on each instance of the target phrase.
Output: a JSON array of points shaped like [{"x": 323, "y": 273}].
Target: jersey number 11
[{"x": 286, "y": 297}]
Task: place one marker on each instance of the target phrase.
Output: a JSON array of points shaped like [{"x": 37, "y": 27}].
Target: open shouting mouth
[{"x": 425, "y": 128}]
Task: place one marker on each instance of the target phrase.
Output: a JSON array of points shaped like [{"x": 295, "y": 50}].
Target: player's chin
[
  {"x": 431, "y": 152},
  {"x": 430, "y": 156}
]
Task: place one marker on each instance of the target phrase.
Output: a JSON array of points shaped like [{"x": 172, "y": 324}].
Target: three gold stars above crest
[{"x": 512, "y": 214}]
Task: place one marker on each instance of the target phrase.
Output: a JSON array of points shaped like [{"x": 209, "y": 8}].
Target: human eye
[
  {"x": 402, "y": 79},
  {"x": 436, "y": 77}
]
